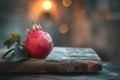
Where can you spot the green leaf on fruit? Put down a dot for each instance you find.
(14, 37)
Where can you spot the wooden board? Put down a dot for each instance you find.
(60, 60)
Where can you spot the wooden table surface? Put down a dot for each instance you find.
(60, 60)
(110, 71)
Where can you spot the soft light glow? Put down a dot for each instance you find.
(67, 3)
(47, 4)
(36, 9)
(63, 28)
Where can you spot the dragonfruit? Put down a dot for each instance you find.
(38, 43)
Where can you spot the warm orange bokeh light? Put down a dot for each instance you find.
(67, 3)
(47, 4)
(38, 7)
(63, 29)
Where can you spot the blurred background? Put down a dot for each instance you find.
(71, 23)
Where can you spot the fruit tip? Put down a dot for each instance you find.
(27, 31)
(38, 26)
(33, 27)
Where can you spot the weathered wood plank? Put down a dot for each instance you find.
(60, 60)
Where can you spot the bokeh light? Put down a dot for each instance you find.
(67, 3)
(38, 7)
(47, 4)
(63, 28)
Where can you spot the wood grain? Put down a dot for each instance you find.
(60, 60)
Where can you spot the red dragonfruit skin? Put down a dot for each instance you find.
(38, 43)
